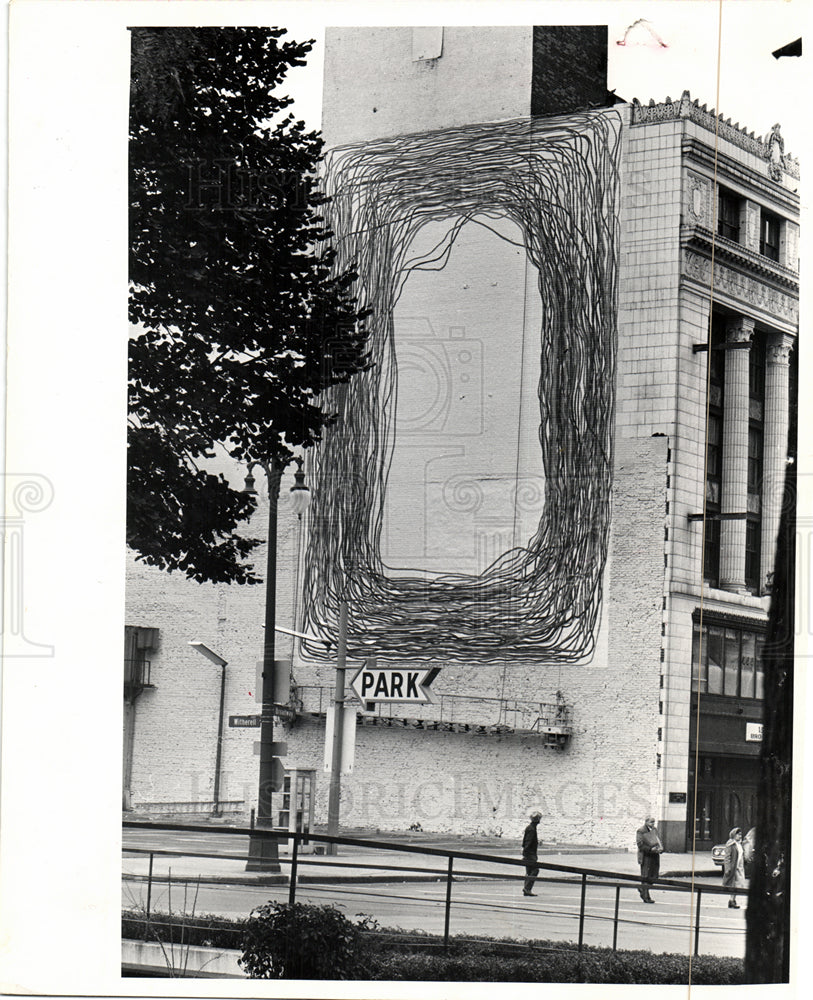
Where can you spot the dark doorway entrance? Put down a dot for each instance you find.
(726, 797)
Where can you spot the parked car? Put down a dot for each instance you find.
(748, 845)
(718, 854)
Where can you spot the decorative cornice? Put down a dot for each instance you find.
(775, 305)
(703, 240)
(731, 171)
(671, 110)
(715, 617)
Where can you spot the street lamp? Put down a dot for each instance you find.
(219, 662)
(263, 852)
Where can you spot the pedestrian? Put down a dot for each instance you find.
(749, 847)
(530, 846)
(734, 866)
(650, 849)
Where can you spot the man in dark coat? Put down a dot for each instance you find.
(649, 856)
(530, 845)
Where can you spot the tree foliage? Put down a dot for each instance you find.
(239, 319)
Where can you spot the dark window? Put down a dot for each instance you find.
(728, 215)
(753, 543)
(755, 461)
(756, 369)
(753, 532)
(711, 553)
(769, 230)
(714, 450)
(727, 661)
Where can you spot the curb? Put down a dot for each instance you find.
(275, 880)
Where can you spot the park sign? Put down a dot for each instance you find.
(395, 685)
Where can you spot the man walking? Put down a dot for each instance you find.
(649, 856)
(530, 845)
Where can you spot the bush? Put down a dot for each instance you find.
(300, 941)
(319, 942)
(466, 964)
(205, 930)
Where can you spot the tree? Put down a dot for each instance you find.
(768, 927)
(239, 319)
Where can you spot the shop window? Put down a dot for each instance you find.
(727, 660)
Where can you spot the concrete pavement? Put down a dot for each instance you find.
(354, 864)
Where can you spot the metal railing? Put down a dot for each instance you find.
(562, 873)
(136, 676)
(477, 714)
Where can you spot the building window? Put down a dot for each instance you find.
(769, 230)
(753, 545)
(714, 451)
(727, 661)
(756, 410)
(728, 215)
(754, 462)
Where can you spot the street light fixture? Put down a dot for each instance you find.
(263, 851)
(219, 662)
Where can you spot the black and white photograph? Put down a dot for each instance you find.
(414, 433)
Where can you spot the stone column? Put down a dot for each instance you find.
(789, 245)
(775, 444)
(735, 455)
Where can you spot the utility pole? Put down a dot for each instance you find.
(263, 853)
(334, 795)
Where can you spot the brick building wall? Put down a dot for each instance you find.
(175, 737)
(569, 68)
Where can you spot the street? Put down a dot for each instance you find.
(488, 907)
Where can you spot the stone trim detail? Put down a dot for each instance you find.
(748, 290)
(685, 107)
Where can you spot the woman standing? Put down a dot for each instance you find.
(733, 866)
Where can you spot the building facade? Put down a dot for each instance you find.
(559, 484)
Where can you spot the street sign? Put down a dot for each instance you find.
(277, 749)
(395, 685)
(245, 721)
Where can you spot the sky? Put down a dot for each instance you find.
(756, 90)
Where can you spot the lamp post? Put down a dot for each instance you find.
(263, 851)
(220, 662)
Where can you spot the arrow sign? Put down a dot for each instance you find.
(403, 685)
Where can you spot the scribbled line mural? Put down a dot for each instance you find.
(557, 180)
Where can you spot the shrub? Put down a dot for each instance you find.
(301, 941)
(554, 966)
(204, 929)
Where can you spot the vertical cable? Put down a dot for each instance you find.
(715, 203)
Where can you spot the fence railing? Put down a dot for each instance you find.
(295, 860)
(474, 713)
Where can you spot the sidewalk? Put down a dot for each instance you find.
(355, 864)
